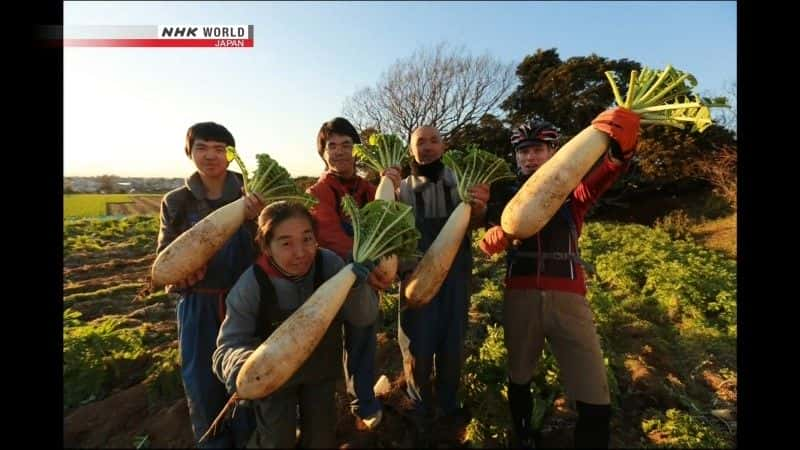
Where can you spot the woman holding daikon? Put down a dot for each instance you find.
(290, 268)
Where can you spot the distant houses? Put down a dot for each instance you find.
(111, 184)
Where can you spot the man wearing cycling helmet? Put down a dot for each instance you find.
(545, 286)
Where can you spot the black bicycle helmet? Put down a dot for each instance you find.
(533, 131)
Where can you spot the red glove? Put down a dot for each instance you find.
(623, 126)
(494, 241)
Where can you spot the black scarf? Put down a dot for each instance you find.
(522, 178)
(432, 171)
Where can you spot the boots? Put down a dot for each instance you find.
(592, 429)
(520, 400)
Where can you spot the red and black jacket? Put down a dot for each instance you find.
(550, 259)
(334, 230)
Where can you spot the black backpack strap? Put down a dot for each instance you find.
(268, 297)
(364, 194)
(448, 199)
(361, 197)
(420, 203)
(419, 209)
(319, 277)
(337, 200)
(567, 214)
(573, 231)
(186, 205)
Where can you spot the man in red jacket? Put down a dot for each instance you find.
(334, 231)
(545, 285)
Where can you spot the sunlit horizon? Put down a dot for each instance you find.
(126, 110)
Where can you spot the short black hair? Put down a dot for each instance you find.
(337, 125)
(207, 131)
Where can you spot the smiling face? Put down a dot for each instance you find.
(210, 157)
(293, 245)
(338, 155)
(426, 145)
(533, 156)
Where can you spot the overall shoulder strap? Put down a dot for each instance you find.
(268, 301)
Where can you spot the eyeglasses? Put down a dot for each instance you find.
(344, 146)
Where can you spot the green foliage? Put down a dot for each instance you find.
(677, 295)
(388, 302)
(273, 183)
(475, 166)
(568, 93)
(94, 235)
(489, 133)
(691, 283)
(164, 375)
(665, 97)
(485, 386)
(90, 205)
(382, 152)
(484, 383)
(94, 353)
(490, 297)
(677, 224)
(679, 429)
(381, 228)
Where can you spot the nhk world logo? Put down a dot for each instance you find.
(223, 36)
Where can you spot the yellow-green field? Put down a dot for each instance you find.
(94, 205)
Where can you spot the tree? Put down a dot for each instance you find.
(440, 87)
(108, 183)
(489, 133)
(567, 93)
(719, 165)
(668, 154)
(571, 93)
(719, 169)
(726, 117)
(366, 133)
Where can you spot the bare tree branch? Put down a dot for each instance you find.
(440, 86)
(719, 169)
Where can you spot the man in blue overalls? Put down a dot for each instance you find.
(437, 328)
(201, 307)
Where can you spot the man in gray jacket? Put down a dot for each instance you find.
(437, 328)
(201, 307)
